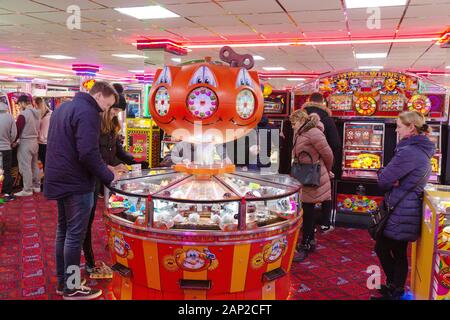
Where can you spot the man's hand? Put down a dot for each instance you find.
(118, 171)
(396, 183)
(331, 175)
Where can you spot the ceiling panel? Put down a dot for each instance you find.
(296, 5)
(428, 11)
(64, 4)
(127, 3)
(278, 28)
(266, 18)
(217, 20)
(314, 16)
(23, 6)
(196, 9)
(385, 13)
(251, 6)
(323, 26)
(18, 19)
(233, 30)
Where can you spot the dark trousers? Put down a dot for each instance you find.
(87, 244)
(393, 257)
(73, 219)
(41, 154)
(7, 165)
(308, 222)
(325, 217)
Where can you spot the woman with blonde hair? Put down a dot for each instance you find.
(310, 144)
(403, 180)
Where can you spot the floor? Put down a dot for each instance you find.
(337, 270)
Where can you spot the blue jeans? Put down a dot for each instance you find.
(73, 218)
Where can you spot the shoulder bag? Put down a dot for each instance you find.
(380, 217)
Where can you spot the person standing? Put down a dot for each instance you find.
(27, 152)
(113, 154)
(317, 104)
(8, 132)
(310, 145)
(73, 161)
(46, 113)
(403, 179)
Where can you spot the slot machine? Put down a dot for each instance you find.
(365, 106)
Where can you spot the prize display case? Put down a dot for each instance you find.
(180, 236)
(430, 254)
(143, 140)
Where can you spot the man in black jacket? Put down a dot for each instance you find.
(316, 104)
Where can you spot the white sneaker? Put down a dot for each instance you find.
(36, 190)
(83, 293)
(23, 194)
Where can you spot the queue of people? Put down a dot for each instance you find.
(403, 181)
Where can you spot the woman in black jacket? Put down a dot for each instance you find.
(114, 155)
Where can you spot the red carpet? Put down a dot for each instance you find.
(337, 270)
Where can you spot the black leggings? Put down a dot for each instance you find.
(393, 257)
(309, 219)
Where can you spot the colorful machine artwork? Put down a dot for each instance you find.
(358, 204)
(379, 94)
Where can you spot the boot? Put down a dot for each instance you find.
(312, 245)
(389, 292)
(301, 254)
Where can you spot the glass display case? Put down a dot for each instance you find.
(363, 150)
(165, 199)
(430, 277)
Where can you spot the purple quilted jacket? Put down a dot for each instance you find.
(409, 164)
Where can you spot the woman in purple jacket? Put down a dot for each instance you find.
(411, 162)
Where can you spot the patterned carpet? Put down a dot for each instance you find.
(337, 270)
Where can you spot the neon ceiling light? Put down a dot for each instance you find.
(310, 43)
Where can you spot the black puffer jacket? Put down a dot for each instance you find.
(331, 132)
(112, 150)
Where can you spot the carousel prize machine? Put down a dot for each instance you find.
(203, 230)
(430, 254)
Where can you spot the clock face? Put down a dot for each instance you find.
(202, 102)
(245, 104)
(162, 101)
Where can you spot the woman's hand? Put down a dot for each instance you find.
(396, 183)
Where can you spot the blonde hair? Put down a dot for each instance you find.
(309, 120)
(109, 124)
(417, 119)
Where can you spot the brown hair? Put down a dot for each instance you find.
(316, 97)
(417, 119)
(109, 125)
(38, 101)
(105, 88)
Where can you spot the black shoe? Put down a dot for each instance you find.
(60, 287)
(9, 197)
(300, 256)
(312, 246)
(83, 293)
(384, 289)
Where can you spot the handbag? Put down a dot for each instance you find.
(380, 217)
(308, 174)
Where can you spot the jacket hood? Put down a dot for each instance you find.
(35, 112)
(420, 141)
(318, 108)
(4, 107)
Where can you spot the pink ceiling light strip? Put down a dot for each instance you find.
(311, 43)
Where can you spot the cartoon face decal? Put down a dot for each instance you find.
(162, 101)
(245, 104)
(193, 98)
(275, 250)
(203, 75)
(202, 102)
(191, 260)
(120, 246)
(165, 76)
(244, 79)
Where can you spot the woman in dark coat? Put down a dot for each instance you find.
(409, 166)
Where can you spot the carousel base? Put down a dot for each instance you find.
(124, 289)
